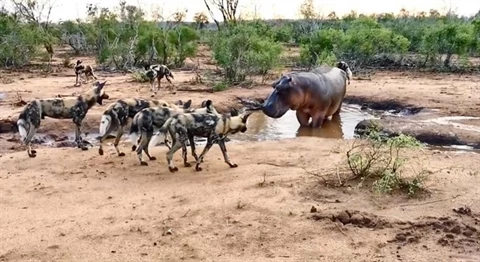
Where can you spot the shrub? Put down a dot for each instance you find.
(241, 51)
(321, 46)
(383, 160)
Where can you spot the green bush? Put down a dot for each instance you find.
(449, 39)
(363, 43)
(321, 45)
(20, 42)
(241, 51)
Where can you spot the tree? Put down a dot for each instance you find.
(307, 10)
(38, 13)
(201, 19)
(228, 9)
(179, 16)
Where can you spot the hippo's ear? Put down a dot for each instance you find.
(274, 84)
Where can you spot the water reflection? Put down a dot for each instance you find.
(261, 127)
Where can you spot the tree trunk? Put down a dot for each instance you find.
(446, 63)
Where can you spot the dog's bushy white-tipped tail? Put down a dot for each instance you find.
(156, 138)
(133, 138)
(161, 134)
(23, 128)
(105, 124)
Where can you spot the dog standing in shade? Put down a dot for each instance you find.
(83, 69)
(74, 108)
(157, 72)
(212, 126)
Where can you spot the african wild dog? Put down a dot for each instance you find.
(212, 126)
(208, 107)
(157, 72)
(117, 114)
(83, 69)
(75, 108)
(146, 121)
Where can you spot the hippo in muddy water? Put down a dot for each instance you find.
(317, 94)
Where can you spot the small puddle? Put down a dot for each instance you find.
(67, 140)
(3, 96)
(456, 148)
(454, 121)
(261, 127)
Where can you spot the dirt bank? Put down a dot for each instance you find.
(111, 209)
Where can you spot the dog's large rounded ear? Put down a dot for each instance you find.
(233, 112)
(245, 116)
(206, 103)
(187, 104)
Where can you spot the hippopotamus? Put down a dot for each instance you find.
(317, 94)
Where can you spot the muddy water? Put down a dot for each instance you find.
(456, 122)
(67, 140)
(261, 127)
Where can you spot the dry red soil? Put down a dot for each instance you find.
(72, 205)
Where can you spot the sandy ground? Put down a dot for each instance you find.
(72, 205)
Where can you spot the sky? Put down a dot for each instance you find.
(265, 9)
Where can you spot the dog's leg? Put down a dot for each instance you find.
(139, 149)
(152, 82)
(78, 135)
(148, 137)
(117, 140)
(192, 146)
(100, 149)
(221, 143)
(93, 75)
(202, 155)
(184, 155)
(31, 152)
(176, 145)
(166, 142)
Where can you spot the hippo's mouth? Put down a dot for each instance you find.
(273, 107)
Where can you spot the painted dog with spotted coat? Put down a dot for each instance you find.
(149, 119)
(74, 108)
(157, 72)
(80, 69)
(116, 116)
(215, 127)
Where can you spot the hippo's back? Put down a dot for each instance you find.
(326, 81)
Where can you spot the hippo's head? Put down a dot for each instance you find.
(344, 66)
(286, 95)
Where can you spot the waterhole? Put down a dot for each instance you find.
(261, 127)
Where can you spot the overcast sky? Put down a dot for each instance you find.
(68, 9)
